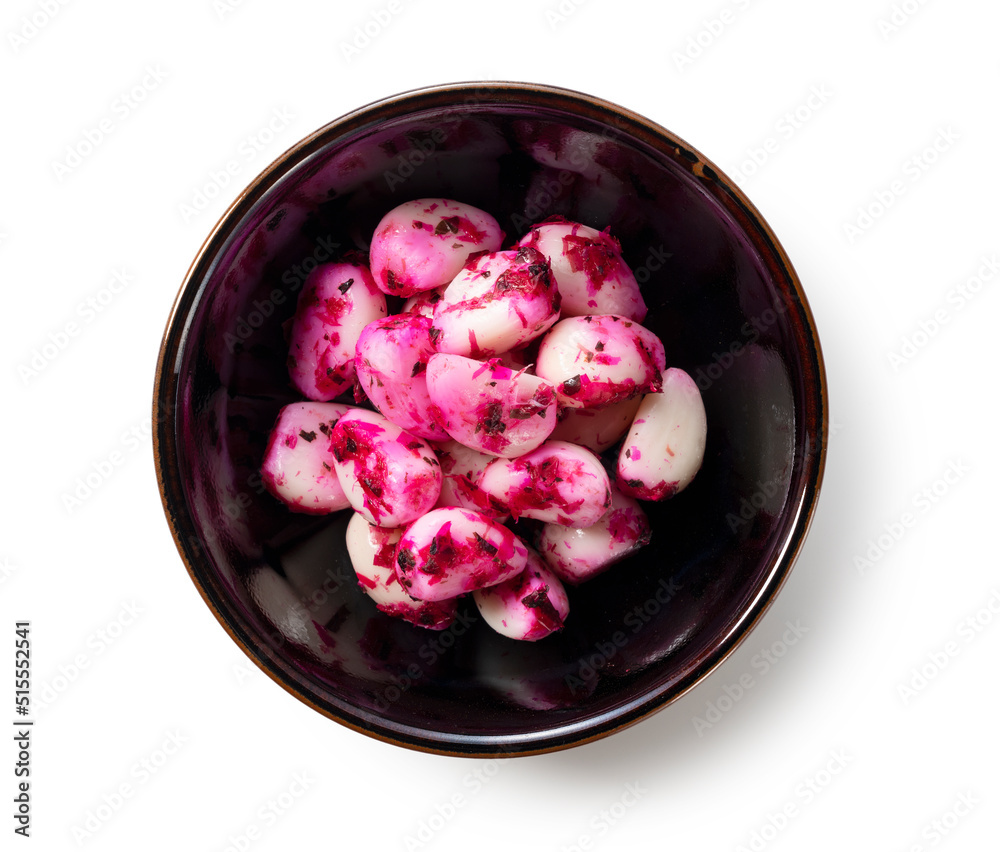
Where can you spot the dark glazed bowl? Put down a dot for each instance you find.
(722, 296)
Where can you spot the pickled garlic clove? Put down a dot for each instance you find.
(337, 301)
(588, 269)
(462, 469)
(422, 244)
(597, 429)
(451, 551)
(578, 554)
(529, 607)
(391, 363)
(488, 406)
(373, 552)
(597, 360)
(298, 463)
(424, 302)
(389, 475)
(665, 444)
(559, 483)
(499, 301)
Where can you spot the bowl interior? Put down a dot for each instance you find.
(721, 296)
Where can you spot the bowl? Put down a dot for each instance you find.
(722, 296)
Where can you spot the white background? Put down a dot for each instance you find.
(823, 750)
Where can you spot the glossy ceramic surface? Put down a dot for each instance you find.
(722, 296)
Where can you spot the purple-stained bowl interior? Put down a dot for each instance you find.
(722, 297)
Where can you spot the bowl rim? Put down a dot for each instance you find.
(635, 125)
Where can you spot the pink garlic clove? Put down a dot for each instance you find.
(489, 407)
(529, 607)
(578, 554)
(596, 360)
(337, 301)
(298, 463)
(597, 429)
(462, 468)
(497, 302)
(389, 475)
(422, 244)
(665, 445)
(423, 303)
(373, 554)
(559, 483)
(451, 551)
(391, 363)
(588, 269)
